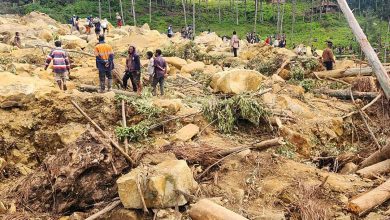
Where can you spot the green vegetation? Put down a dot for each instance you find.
(227, 112)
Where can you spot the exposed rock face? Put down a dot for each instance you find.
(236, 81)
(159, 184)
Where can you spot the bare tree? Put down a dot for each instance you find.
(387, 43)
(150, 11)
(133, 9)
(311, 21)
(219, 10)
(236, 5)
(100, 10)
(254, 28)
(278, 22)
(281, 20)
(245, 10)
(261, 11)
(109, 8)
(294, 7)
(193, 19)
(184, 11)
(121, 6)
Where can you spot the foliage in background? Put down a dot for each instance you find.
(227, 112)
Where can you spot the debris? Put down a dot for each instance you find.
(89, 88)
(349, 168)
(105, 210)
(378, 156)
(158, 184)
(345, 94)
(208, 210)
(375, 170)
(124, 214)
(186, 132)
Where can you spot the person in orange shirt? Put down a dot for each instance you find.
(328, 57)
(105, 63)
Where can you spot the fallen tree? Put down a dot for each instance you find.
(375, 170)
(377, 156)
(89, 88)
(370, 200)
(350, 72)
(346, 94)
(208, 210)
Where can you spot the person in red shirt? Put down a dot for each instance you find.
(328, 57)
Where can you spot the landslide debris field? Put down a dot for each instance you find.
(267, 135)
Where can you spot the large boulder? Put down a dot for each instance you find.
(46, 35)
(5, 48)
(209, 39)
(172, 105)
(16, 91)
(186, 132)
(176, 62)
(159, 185)
(236, 81)
(73, 42)
(193, 67)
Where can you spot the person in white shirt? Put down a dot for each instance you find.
(149, 55)
(276, 42)
(104, 25)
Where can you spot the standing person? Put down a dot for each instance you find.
(170, 31)
(235, 43)
(328, 57)
(133, 71)
(283, 42)
(61, 65)
(104, 63)
(98, 26)
(77, 23)
(119, 22)
(149, 56)
(160, 72)
(88, 25)
(268, 40)
(17, 41)
(276, 42)
(104, 26)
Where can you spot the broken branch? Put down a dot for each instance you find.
(105, 210)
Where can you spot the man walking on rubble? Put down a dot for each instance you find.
(133, 71)
(105, 63)
(160, 72)
(61, 65)
(235, 43)
(328, 57)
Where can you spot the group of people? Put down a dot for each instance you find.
(101, 26)
(277, 41)
(187, 32)
(157, 67)
(252, 37)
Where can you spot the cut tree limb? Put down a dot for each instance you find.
(345, 94)
(264, 145)
(116, 145)
(377, 169)
(377, 156)
(379, 69)
(89, 88)
(365, 107)
(370, 200)
(124, 124)
(208, 210)
(349, 72)
(104, 211)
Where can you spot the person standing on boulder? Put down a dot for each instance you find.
(160, 72)
(119, 22)
(105, 63)
(133, 71)
(235, 43)
(328, 57)
(61, 65)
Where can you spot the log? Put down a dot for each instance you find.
(350, 72)
(377, 156)
(208, 210)
(379, 69)
(89, 88)
(116, 145)
(264, 145)
(373, 171)
(346, 94)
(365, 107)
(370, 200)
(124, 124)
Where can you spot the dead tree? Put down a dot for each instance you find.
(133, 7)
(121, 6)
(254, 28)
(372, 58)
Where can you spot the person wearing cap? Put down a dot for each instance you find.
(104, 63)
(328, 57)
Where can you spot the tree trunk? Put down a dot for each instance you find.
(341, 73)
(246, 19)
(377, 156)
(261, 11)
(100, 10)
(373, 59)
(236, 5)
(184, 12)
(346, 94)
(373, 171)
(311, 22)
(387, 43)
(370, 200)
(278, 22)
(193, 18)
(208, 210)
(123, 18)
(254, 28)
(281, 20)
(219, 10)
(321, 10)
(133, 9)
(109, 8)
(150, 12)
(294, 7)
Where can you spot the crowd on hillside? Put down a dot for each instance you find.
(100, 26)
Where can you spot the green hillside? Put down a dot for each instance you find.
(324, 27)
